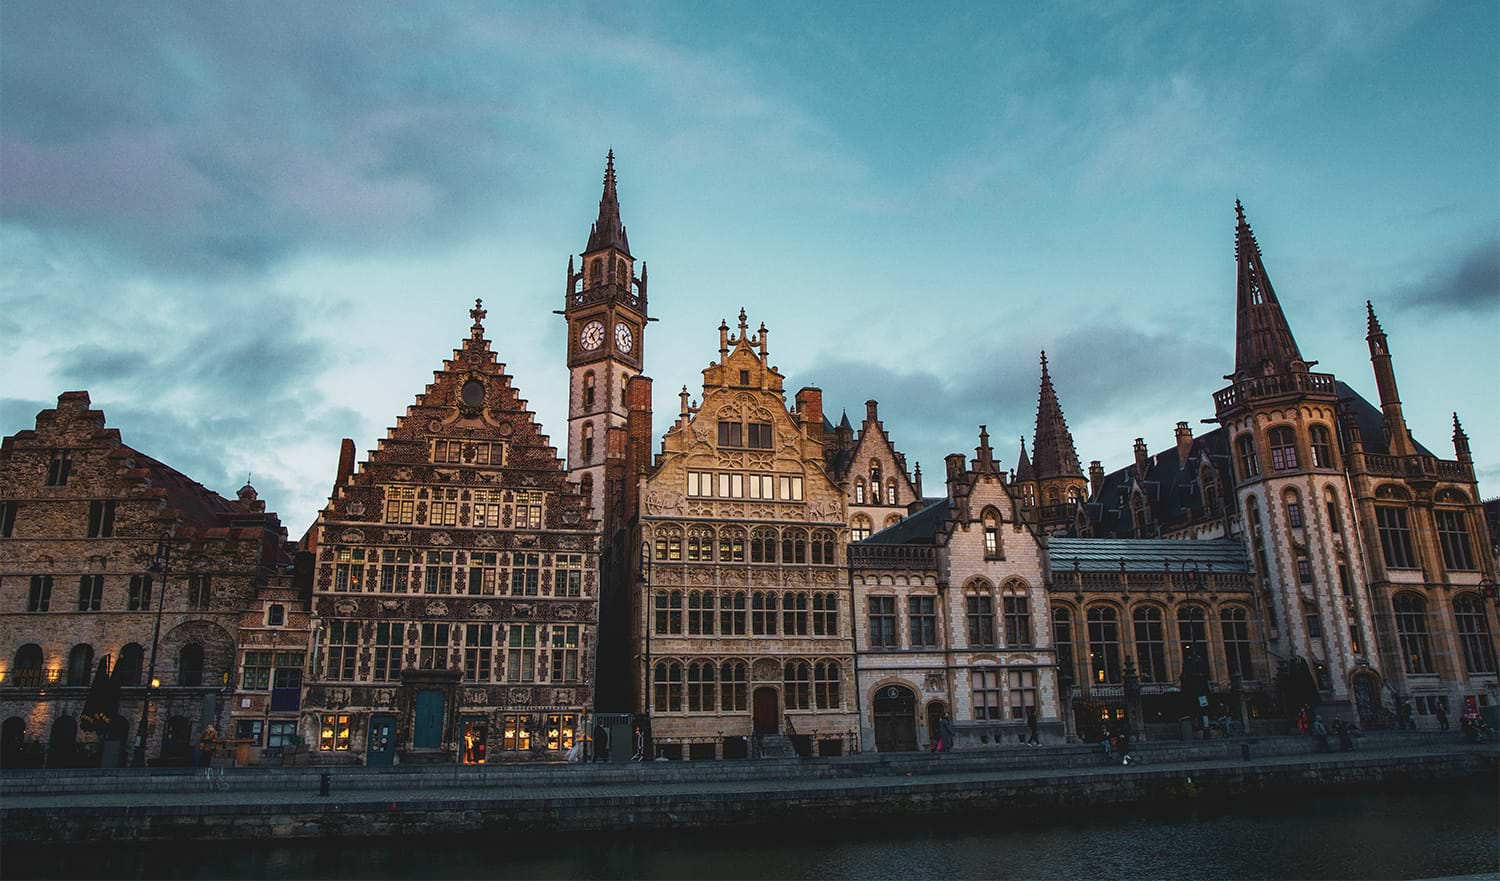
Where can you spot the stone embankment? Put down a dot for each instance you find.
(80, 806)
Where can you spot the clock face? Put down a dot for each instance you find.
(624, 339)
(592, 335)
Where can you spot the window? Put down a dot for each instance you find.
(1062, 640)
(794, 546)
(279, 734)
(1395, 537)
(875, 491)
(669, 545)
(488, 505)
(479, 645)
(586, 443)
(732, 486)
(58, 468)
(349, 570)
(890, 486)
(80, 664)
(1411, 629)
(1249, 466)
(40, 597)
(276, 615)
(1293, 510)
(249, 729)
(400, 504)
(989, 698)
(8, 519)
(90, 592)
(859, 491)
(333, 734)
(1474, 634)
(255, 672)
(567, 577)
(796, 685)
(1453, 533)
(1304, 571)
(287, 675)
(991, 535)
(432, 648)
(700, 483)
(731, 434)
(1017, 617)
(700, 545)
(516, 732)
(827, 677)
(525, 574)
(190, 665)
(762, 486)
(1322, 446)
(390, 648)
(763, 543)
(822, 548)
(760, 435)
(128, 668)
(1283, 449)
(734, 686)
(980, 608)
(700, 686)
(395, 571)
(794, 615)
(1234, 622)
(668, 697)
(791, 488)
(1150, 643)
(763, 613)
(26, 667)
(700, 613)
(732, 614)
(343, 648)
(744, 377)
(528, 510)
(859, 527)
(825, 614)
(102, 519)
(1022, 692)
(566, 652)
(588, 391)
(921, 621)
(883, 622)
(1104, 645)
(669, 612)
(1331, 505)
(200, 591)
(1314, 626)
(1192, 633)
(520, 653)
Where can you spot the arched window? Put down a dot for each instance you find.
(763, 545)
(26, 668)
(596, 271)
(859, 491)
(1292, 501)
(1331, 506)
(731, 544)
(1474, 634)
(1391, 521)
(797, 685)
(1028, 495)
(669, 544)
(891, 520)
(668, 697)
(1283, 448)
(827, 677)
(200, 591)
(1075, 497)
(859, 527)
(794, 546)
(1245, 447)
(80, 664)
(1322, 447)
(734, 685)
(993, 549)
(1062, 641)
(890, 491)
(877, 495)
(763, 613)
(669, 612)
(128, 668)
(732, 613)
(979, 609)
(822, 547)
(622, 273)
(1234, 623)
(1411, 629)
(1192, 635)
(588, 391)
(700, 687)
(700, 613)
(1150, 643)
(825, 615)
(794, 614)
(1017, 608)
(586, 448)
(1104, 645)
(190, 665)
(700, 544)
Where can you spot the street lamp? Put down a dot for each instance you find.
(161, 563)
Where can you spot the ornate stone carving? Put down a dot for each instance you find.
(481, 610)
(567, 613)
(441, 539)
(357, 508)
(766, 670)
(352, 536)
(346, 607)
(475, 696)
(383, 697)
(390, 605)
(484, 540)
(661, 501)
(519, 696)
(933, 682)
(437, 609)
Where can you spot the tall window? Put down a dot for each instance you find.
(400, 504)
(1411, 629)
(1453, 533)
(190, 665)
(668, 697)
(102, 519)
(669, 612)
(390, 645)
(1293, 502)
(1192, 633)
(139, 597)
(1104, 645)
(859, 491)
(80, 664)
(90, 592)
(349, 570)
(26, 667)
(479, 650)
(1331, 506)
(825, 614)
(39, 599)
(1150, 644)
(200, 591)
(731, 545)
(700, 484)
(343, 648)
(1322, 446)
(432, 647)
(827, 678)
(877, 494)
(921, 621)
(586, 443)
(822, 547)
(520, 653)
(988, 693)
(763, 613)
(859, 527)
(734, 685)
(732, 614)
(1017, 616)
(1395, 537)
(669, 545)
(255, 675)
(759, 435)
(588, 391)
(700, 612)
(567, 652)
(762, 486)
(791, 488)
(1062, 640)
(794, 546)
(525, 573)
(700, 686)
(763, 543)
(980, 611)
(1234, 623)
(890, 491)
(7, 519)
(1474, 634)
(883, 622)
(1245, 447)
(567, 576)
(796, 685)
(700, 545)
(991, 535)
(794, 614)
(731, 434)
(59, 467)
(333, 734)
(1283, 449)
(1022, 692)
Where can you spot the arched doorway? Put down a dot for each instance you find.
(895, 719)
(935, 711)
(63, 742)
(767, 711)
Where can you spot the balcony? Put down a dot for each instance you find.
(863, 556)
(1279, 385)
(1417, 467)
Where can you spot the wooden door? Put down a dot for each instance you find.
(895, 720)
(767, 711)
(429, 721)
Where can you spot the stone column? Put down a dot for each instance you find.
(1133, 724)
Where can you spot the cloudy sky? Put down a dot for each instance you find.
(250, 230)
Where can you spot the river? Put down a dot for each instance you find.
(1426, 832)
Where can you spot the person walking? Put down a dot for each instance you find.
(1304, 719)
(1031, 726)
(1408, 716)
(1442, 713)
(206, 747)
(1320, 731)
(945, 734)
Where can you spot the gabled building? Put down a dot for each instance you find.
(872, 473)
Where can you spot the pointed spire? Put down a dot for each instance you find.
(984, 456)
(1460, 442)
(608, 231)
(476, 330)
(844, 422)
(1372, 323)
(1023, 464)
(1262, 336)
(1052, 445)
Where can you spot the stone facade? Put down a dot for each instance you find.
(1050, 483)
(878, 491)
(454, 602)
(82, 515)
(275, 634)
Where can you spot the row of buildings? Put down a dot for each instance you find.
(758, 580)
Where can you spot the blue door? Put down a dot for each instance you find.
(429, 723)
(382, 748)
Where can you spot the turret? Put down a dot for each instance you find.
(1184, 443)
(1385, 382)
(1096, 478)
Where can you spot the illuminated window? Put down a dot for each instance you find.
(333, 735)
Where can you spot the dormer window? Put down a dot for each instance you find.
(276, 615)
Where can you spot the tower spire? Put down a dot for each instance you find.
(1023, 463)
(1385, 382)
(1052, 450)
(608, 231)
(1263, 340)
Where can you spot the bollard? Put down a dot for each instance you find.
(1245, 751)
(324, 782)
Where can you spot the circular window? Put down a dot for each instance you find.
(473, 393)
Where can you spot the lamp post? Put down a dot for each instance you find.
(161, 563)
(650, 610)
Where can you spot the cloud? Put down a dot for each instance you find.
(1469, 282)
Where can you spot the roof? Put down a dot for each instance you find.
(1370, 420)
(1145, 555)
(920, 528)
(1173, 489)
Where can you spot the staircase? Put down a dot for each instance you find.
(774, 746)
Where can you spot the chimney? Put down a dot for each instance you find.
(346, 463)
(1184, 443)
(810, 411)
(870, 414)
(1140, 457)
(916, 485)
(723, 341)
(955, 462)
(761, 339)
(1096, 478)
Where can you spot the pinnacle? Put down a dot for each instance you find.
(1371, 320)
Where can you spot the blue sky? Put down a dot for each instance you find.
(250, 230)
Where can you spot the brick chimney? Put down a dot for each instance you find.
(870, 411)
(637, 443)
(1184, 443)
(1140, 457)
(1096, 478)
(810, 411)
(346, 463)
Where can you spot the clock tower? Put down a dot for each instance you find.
(606, 314)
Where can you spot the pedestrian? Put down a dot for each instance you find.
(640, 745)
(1031, 726)
(1320, 731)
(1408, 716)
(1122, 747)
(1304, 719)
(1105, 741)
(1346, 740)
(1442, 713)
(946, 734)
(206, 746)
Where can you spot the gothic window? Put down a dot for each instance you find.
(763, 613)
(1474, 634)
(1104, 645)
(200, 591)
(731, 434)
(1022, 692)
(26, 667)
(1322, 446)
(1411, 628)
(1150, 643)
(90, 592)
(700, 687)
(1062, 640)
(1331, 505)
(732, 614)
(1028, 495)
(1453, 534)
(59, 467)
(596, 271)
(794, 546)
(586, 449)
(1293, 502)
(190, 665)
(763, 543)
(988, 693)
(128, 668)
(827, 677)
(859, 527)
(1395, 536)
(890, 491)
(734, 686)
(700, 545)
(992, 547)
(668, 696)
(588, 391)
(1075, 497)
(796, 685)
(1234, 623)
(80, 664)
(1283, 449)
(1017, 609)
(669, 612)
(101, 519)
(479, 645)
(1304, 571)
(891, 520)
(669, 544)
(39, 599)
(822, 547)
(731, 545)
(979, 610)
(825, 614)
(586, 488)
(1192, 635)
(520, 653)
(794, 614)
(859, 491)
(883, 622)
(875, 490)
(390, 646)
(700, 613)
(1249, 465)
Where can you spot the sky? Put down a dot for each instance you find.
(251, 230)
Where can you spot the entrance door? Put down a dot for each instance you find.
(766, 711)
(895, 720)
(382, 747)
(429, 721)
(177, 746)
(935, 711)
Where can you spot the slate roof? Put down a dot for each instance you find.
(1370, 420)
(1144, 555)
(920, 528)
(1174, 492)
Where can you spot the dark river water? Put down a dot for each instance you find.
(1427, 832)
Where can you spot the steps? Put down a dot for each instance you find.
(775, 746)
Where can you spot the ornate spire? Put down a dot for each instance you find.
(476, 330)
(1263, 340)
(1052, 445)
(1023, 464)
(1460, 441)
(984, 456)
(1372, 323)
(608, 231)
